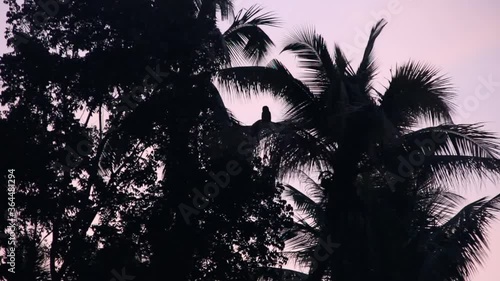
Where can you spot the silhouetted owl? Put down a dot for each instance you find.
(266, 114)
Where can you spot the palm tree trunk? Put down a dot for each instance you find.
(343, 207)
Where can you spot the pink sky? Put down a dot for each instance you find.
(459, 36)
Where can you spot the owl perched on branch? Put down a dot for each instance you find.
(266, 114)
(264, 119)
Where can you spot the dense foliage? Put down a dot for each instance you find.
(115, 130)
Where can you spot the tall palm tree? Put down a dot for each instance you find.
(339, 122)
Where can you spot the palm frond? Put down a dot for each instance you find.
(314, 58)
(367, 67)
(439, 205)
(449, 170)
(313, 189)
(304, 235)
(225, 7)
(459, 246)
(342, 64)
(417, 91)
(460, 140)
(273, 79)
(288, 148)
(351, 94)
(245, 38)
(311, 209)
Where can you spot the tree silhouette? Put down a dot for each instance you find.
(116, 104)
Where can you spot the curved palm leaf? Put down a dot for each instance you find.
(311, 209)
(314, 58)
(460, 140)
(450, 170)
(274, 79)
(303, 235)
(245, 38)
(439, 205)
(342, 64)
(459, 245)
(287, 148)
(314, 190)
(416, 91)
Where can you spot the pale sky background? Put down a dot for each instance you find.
(460, 37)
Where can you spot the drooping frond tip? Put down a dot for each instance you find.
(255, 16)
(246, 39)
